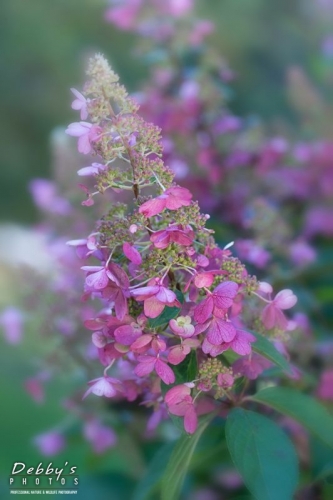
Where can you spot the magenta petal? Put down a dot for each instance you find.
(164, 372)
(126, 334)
(120, 305)
(152, 207)
(224, 294)
(146, 366)
(132, 254)
(220, 331)
(203, 311)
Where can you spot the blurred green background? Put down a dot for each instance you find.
(44, 47)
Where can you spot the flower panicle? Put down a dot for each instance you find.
(169, 291)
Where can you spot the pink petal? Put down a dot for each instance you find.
(153, 307)
(190, 420)
(84, 145)
(203, 280)
(203, 311)
(142, 341)
(78, 129)
(285, 299)
(177, 354)
(145, 292)
(220, 331)
(165, 295)
(241, 344)
(152, 207)
(126, 334)
(146, 366)
(132, 254)
(98, 280)
(176, 394)
(164, 372)
(224, 294)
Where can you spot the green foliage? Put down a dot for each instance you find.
(305, 409)
(151, 482)
(179, 462)
(263, 454)
(265, 348)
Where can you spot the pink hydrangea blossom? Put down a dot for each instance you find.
(240, 342)
(182, 326)
(148, 363)
(180, 403)
(172, 198)
(104, 386)
(155, 298)
(221, 298)
(178, 353)
(87, 134)
(172, 234)
(272, 315)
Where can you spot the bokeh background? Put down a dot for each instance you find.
(44, 48)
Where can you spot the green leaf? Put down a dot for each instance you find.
(263, 454)
(265, 348)
(151, 482)
(321, 460)
(179, 462)
(305, 409)
(168, 313)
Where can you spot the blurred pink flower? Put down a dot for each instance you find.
(99, 436)
(50, 443)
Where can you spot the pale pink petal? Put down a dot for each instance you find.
(98, 280)
(84, 145)
(145, 292)
(165, 295)
(203, 280)
(78, 129)
(153, 307)
(285, 299)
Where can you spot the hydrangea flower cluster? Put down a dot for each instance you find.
(172, 301)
